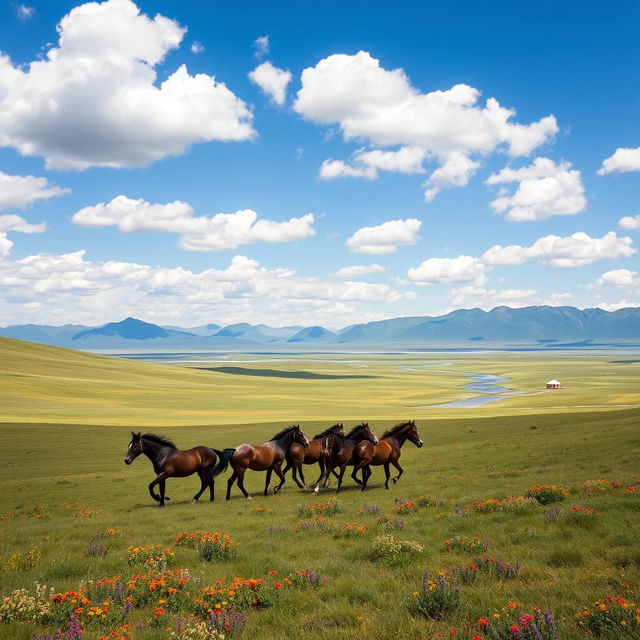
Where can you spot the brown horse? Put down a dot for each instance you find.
(267, 457)
(388, 449)
(299, 455)
(170, 462)
(356, 448)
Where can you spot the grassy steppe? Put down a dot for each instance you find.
(75, 456)
(46, 384)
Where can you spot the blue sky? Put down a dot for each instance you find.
(362, 171)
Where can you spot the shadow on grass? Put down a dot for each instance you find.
(277, 373)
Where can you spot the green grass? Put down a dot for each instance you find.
(65, 428)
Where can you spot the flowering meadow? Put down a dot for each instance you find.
(496, 531)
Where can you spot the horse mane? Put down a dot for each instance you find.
(393, 430)
(353, 432)
(282, 433)
(326, 432)
(161, 440)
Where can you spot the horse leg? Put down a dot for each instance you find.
(304, 483)
(294, 473)
(386, 475)
(364, 466)
(162, 485)
(158, 480)
(230, 482)
(266, 484)
(203, 486)
(353, 474)
(396, 464)
(211, 490)
(241, 484)
(280, 475)
(342, 470)
(366, 474)
(322, 477)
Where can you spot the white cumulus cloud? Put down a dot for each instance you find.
(570, 251)
(623, 160)
(69, 287)
(620, 278)
(366, 164)
(358, 270)
(381, 107)
(17, 192)
(545, 189)
(12, 222)
(630, 222)
(448, 270)
(94, 100)
(272, 80)
(198, 233)
(386, 237)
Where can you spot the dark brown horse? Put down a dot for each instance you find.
(267, 457)
(356, 448)
(387, 451)
(299, 455)
(170, 462)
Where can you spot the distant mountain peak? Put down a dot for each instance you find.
(129, 329)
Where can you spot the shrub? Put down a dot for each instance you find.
(394, 551)
(547, 493)
(370, 509)
(227, 623)
(466, 574)
(331, 507)
(304, 579)
(594, 487)
(20, 605)
(582, 517)
(20, 561)
(196, 630)
(352, 530)
(511, 625)
(427, 500)
(611, 617)
(210, 546)
(151, 555)
(390, 523)
(438, 598)
(461, 543)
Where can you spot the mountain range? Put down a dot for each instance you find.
(535, 326)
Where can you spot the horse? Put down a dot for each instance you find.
(388, 449)
(267, 457)
(299, 455)
(171, 462)
(355, 448)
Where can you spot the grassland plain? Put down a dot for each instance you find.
(65, 426)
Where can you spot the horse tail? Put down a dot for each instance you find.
(223, 460)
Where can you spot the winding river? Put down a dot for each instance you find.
(483, 383)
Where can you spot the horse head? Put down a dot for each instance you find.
(299, 437)
(135, 447)
(413, 434)
(369, 435)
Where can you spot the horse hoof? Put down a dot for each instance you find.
(249, 498)
(395, 480)
(194, 500)
(316, 490)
